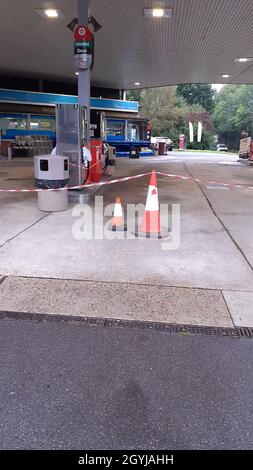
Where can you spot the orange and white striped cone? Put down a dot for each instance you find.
(118, 224)
(151, 225)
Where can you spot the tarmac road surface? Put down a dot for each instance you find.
(66, 385)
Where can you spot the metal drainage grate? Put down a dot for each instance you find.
(47, 317)
(240, 332)
(141, 325)
(245, 332)
(172, 328)
(204, 330)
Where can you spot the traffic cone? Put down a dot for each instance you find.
(151, 225)
(118, 217)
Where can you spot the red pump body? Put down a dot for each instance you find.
(96, 149)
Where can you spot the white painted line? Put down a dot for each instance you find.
(219, 187)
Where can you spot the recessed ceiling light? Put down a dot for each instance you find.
(243, 59)
(157, 12)
(137, 83)
(76, 73)
(51, 13)
(225, 75)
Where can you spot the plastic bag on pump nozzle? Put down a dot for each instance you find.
(86, 156)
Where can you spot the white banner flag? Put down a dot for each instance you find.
(191, 131)
(200, 129)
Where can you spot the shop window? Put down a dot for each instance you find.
(42, 123)
(135, 131)
(115, 129)
(15, 123)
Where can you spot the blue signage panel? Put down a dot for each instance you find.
(31, 97)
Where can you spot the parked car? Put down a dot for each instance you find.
(169, 143)
(222, 148)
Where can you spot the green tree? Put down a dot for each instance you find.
(233, 113)
(167, 111)
(199, 94)
(170, 113)
(157, 101)
(133, 95)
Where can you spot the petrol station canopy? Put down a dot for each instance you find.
(205, 41)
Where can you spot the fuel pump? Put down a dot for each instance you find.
(72, 141)
(181, 142)
(84, 59)
(84, 150)
(71, 138)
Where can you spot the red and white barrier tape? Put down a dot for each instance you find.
(102, 183)
(127, 178)
(197, 180)
(81, 166)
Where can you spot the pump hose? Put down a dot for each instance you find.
(87, 172)
(106, 163)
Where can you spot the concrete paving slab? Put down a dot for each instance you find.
(17, 214)
(234, 208)
(203, 260)
(207, 257)
(17, 211)
(240, 226)
(115, 300)
(240, 305)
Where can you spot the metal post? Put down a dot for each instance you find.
(84, 75)
(0, 143)
(40, 83)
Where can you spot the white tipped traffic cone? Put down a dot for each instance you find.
(118, 217)
(151, 225)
